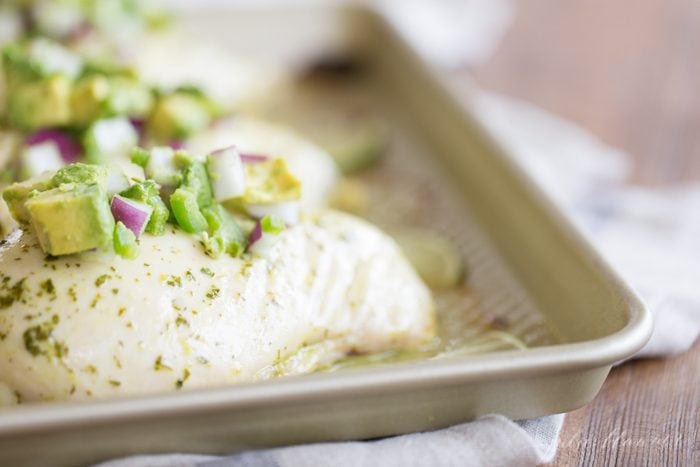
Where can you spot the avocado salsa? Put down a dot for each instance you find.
(99, 164)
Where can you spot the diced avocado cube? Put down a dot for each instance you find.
(16, 194)
(183, 203)
(129, 97)
(124, 242)
(224, 235)
(7, 222)
(88, 99)
(270, 182)
(147, 192)
(37, 104)
(98, 96)
(68, 221)
(177, 117)
(82, 174)
(109, 139)
(356, 149)
(17, 67)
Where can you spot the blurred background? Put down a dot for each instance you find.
(628, 73)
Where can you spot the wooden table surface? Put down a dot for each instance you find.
(630, 73)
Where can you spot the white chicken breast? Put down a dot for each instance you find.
(96, 325)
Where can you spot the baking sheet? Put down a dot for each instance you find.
(527, 266)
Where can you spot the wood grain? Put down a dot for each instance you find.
(627, 71)
(630, 73)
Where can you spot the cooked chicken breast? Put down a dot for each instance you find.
(97, 325)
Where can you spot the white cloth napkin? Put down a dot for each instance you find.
(651, 235)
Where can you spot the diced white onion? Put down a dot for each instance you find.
(161, 166)
(120, 176)
(40, 158)
(114, 137)
(288, 211)
(10, 25)
(54, 58)
(227, 174)
(57, 19)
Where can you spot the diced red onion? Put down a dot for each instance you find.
(227, 174)
(68, 146)
(139, 125)
(81, 31)
(256, 234)
(288, 211)
(222, 150)
(253, 158)
(176, 144)
(247, 158)
(132, 214)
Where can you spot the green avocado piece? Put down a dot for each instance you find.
(148, 192)
(71, 218)
(356, 149)
(79, 173)
(16, 194)
(178, 116)
(38, 104)
(224, 235)
(98, 96)
(88, 99)
(270, 182)
(17, 67)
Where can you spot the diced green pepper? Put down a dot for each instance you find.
(224, 235)
(124, 242)
(195, 178)
(140, 156)
(185, 208)
(272, 224)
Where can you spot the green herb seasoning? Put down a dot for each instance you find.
(213, 292)
(12, 294)
(39, 340)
